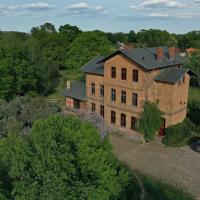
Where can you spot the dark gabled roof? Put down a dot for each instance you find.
(171, 75)
(146, 57)
(94, 66)
(77, 91)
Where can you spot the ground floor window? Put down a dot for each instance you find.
(102, 111)
(133, 123)
(93, 105)
(123, 120)
(113, 117)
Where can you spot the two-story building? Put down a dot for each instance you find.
(117, 86)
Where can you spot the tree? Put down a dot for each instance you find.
(153, 38)
(70, 32)
(85, 47)
(150, 121)
(61, 157)
(19, 114)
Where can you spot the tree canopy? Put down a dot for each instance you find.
(62, 158)
(85, 47)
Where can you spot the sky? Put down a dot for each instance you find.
(175, 16)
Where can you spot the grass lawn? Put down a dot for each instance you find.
(59, 87)
(156, 190)
(194, 94)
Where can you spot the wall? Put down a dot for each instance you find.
(98, 80)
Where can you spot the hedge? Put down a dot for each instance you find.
(174, 134)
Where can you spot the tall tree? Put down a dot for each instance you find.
(85, 47)
(62, 157)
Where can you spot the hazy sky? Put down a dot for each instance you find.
(177, 16)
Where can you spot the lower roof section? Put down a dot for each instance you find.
(76, 91)
(171, 75)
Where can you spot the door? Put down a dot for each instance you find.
(161, 132)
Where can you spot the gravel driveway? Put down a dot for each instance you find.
(177, 166)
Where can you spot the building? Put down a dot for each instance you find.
(117, 86)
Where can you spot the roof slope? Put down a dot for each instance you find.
(94, 66)
(172, 75)
(146, 57)
(77, 91)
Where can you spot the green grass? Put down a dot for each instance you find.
(156, 190)
(194, 94)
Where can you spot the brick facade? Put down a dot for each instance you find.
(171, 98)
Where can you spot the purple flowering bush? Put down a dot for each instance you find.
(95, 119)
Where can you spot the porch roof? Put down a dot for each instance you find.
(76, 91)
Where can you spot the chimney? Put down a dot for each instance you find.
(68, 84)
(172, 53)
(159, 53)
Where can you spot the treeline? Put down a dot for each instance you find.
(30, 62)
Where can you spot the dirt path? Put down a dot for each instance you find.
(177, 166)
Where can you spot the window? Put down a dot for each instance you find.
(123, 120)
(101, 90)
(135, 75)
(102, 111)
(113, 95)
(113, 72)
(123, 97)
(93, 107)
(133, 123)
(93, 88)
(134, 99)
(113, 117)
(123, 73)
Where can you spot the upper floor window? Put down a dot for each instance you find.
(113, 117)
(101, 90)
(113, 72)
(113, 95)
(102, 110)
(134, 99)
(93, 105)
(123, 120)
(123, 97)
(123, 73)
(135, 75)
(93, 88)
(133, 123)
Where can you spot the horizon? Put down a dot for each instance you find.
(174, 16)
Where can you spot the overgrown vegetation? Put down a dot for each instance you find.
(150, 121)
(62, 157)
(177, 134)
(19, 114)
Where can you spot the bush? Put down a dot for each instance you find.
(194, 111)
(150, 121)
(176, 133)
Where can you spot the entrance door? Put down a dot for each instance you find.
(161, 132)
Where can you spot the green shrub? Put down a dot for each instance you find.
(194, 111)
(150, 121)
(174, 134)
